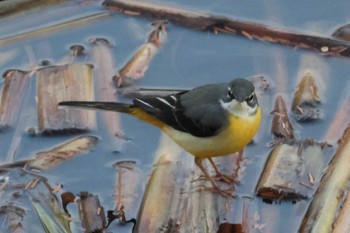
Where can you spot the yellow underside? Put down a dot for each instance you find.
(232, 139)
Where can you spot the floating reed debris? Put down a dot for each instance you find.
(136, 67)
(328, 198)
(67, 150)
(91, 213)
(281, 126)
(49, 221)
(13, 218)
(306, 101)
(156, 206)
(177, 197)
(102, 58)
(221, 24)
(48, 159)
(14, 91)
(127, 189)
(64, 83)
(292, 171)
(49, 209)
(51, 28)
(12, 7)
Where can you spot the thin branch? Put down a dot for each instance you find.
(253, 31)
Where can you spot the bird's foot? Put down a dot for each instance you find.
(229, 179)
(221, 177)
(227, 193)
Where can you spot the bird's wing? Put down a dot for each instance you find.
(197, 112)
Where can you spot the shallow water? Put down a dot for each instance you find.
(189, 58)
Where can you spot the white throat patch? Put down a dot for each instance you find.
(241, 110)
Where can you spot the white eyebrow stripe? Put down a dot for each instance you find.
(164, 101)
(145, 103)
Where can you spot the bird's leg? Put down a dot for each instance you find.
(223, 177)
(198, 162)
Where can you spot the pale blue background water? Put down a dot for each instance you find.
(189, 58)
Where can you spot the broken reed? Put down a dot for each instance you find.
(220, 24)
(51, 158)
(293, 170)
(45, 204)
(102, 57)
(91, 213)
(136, 67)
(14, 91)
(64, 83)
(52, 28)
(48, 159)
(127, 189)
(306, 102)
(328, 197)
(177, 198)
(281, 126)
(13, 216)
(15, 7)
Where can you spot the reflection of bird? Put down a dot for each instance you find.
(207, 121)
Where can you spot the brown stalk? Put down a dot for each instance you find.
(252, 31)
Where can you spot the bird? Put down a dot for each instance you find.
(208, 121)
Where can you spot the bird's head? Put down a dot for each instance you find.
(240, 98)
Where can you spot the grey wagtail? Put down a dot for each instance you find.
(207, 121)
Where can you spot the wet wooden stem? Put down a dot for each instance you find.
(253, 31)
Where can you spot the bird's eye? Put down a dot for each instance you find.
(230, 95)
(250, 98)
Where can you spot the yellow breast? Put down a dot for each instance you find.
(233, 138)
